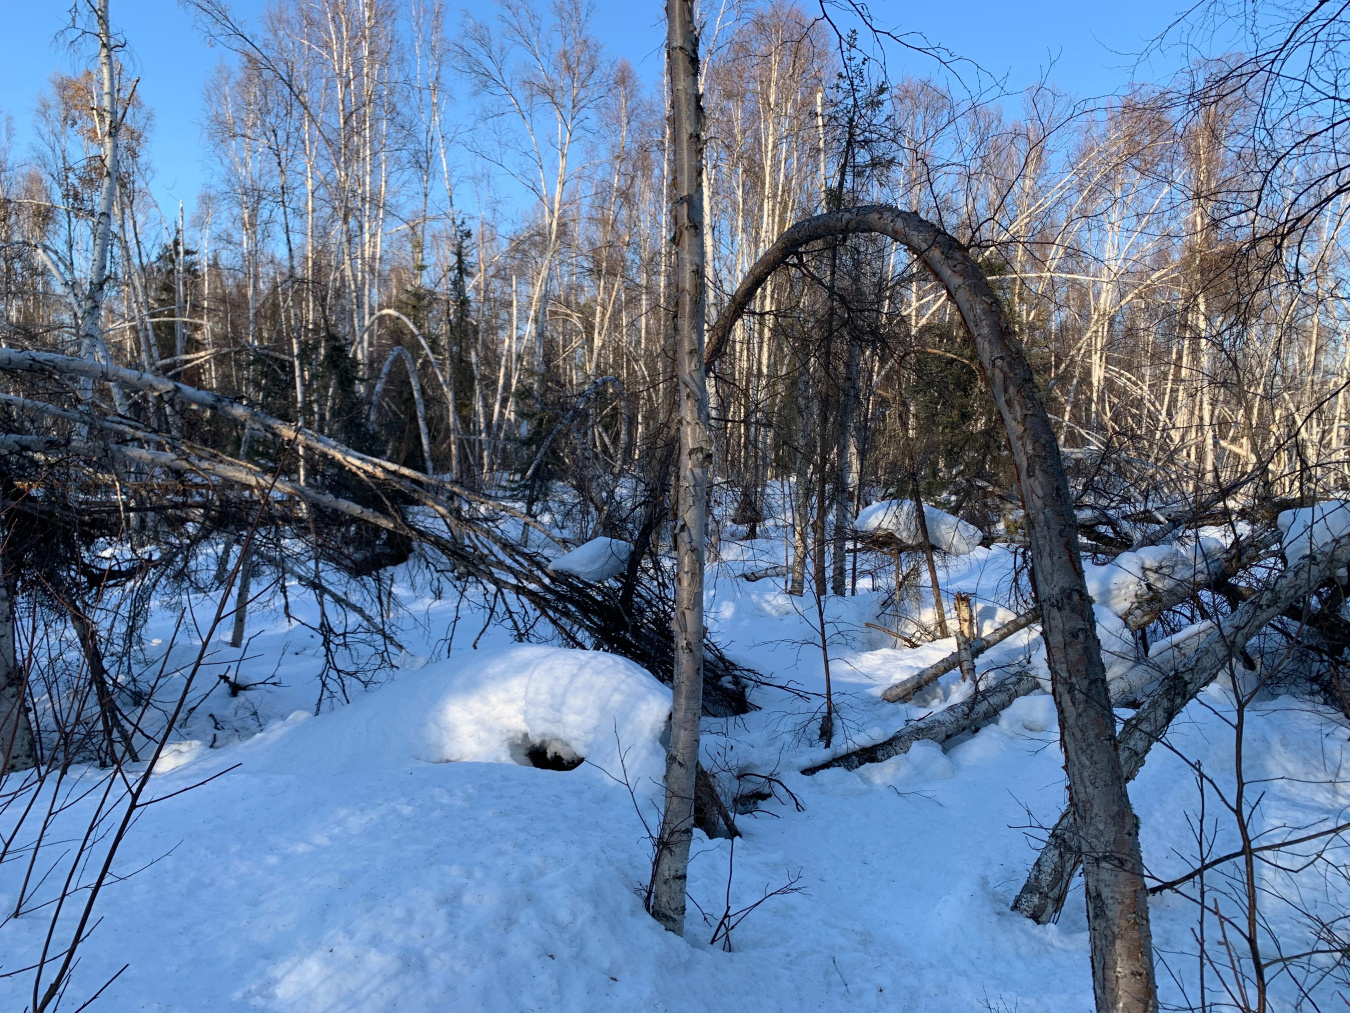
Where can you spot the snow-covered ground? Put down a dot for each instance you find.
(396, 853)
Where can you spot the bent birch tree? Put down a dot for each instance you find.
(1117, 898)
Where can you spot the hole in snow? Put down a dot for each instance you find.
(546, 754)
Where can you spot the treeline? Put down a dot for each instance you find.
(493, 199)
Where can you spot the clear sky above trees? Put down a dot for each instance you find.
(1087, 49)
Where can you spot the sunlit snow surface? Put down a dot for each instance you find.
(392, 854)
(599, 559)
(1309, 528)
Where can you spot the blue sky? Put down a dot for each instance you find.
(1087, 46)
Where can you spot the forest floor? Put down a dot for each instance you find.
(340, 865)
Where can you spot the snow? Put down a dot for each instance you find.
(584, 704)
(1132, 576)
(596, 560)
(395, 853)
(1309, 528)
(945, 531)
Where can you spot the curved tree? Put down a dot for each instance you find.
(398, 352)
(1117, 900)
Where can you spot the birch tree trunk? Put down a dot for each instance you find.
(91, 300)
(686, 120)
(843, 519)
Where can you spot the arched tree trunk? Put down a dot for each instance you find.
(399, 352)
(1117, 900)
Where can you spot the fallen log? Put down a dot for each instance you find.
(1241, 554)
(906, 688)
(940, 726)
(1042, 895)
(1237, 557)
(751, 576)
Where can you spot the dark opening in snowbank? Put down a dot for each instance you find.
(546, 754)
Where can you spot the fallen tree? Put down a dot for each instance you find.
(1042, 895)
(460, 526)
(1241, 554)
(1192, 669)
(940, 726)
(1237, 557)
(906, 688)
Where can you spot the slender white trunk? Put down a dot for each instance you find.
(686, 117)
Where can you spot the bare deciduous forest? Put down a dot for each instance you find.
(853, 476)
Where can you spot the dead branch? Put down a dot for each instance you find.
(319, 587)
(906, 688)
(585, 614)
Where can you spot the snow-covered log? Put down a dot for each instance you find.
(1307, 528)
(1156, 600)
(1143, 611)
(899, 518)
(906, 688)
(1043, 893)
(777, 570)
(596, 560)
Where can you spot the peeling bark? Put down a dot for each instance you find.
(686, 122)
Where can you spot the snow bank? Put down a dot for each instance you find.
(560, 703)
(945, 531)
(1312, 527)
(596, 560)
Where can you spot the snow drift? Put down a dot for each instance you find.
(530, 705)
(896, 516)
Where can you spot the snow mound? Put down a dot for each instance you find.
(1310, 528)
(1112, 586)
(596, 560)
(1131, 576)
(945, 531)
(532, 705)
